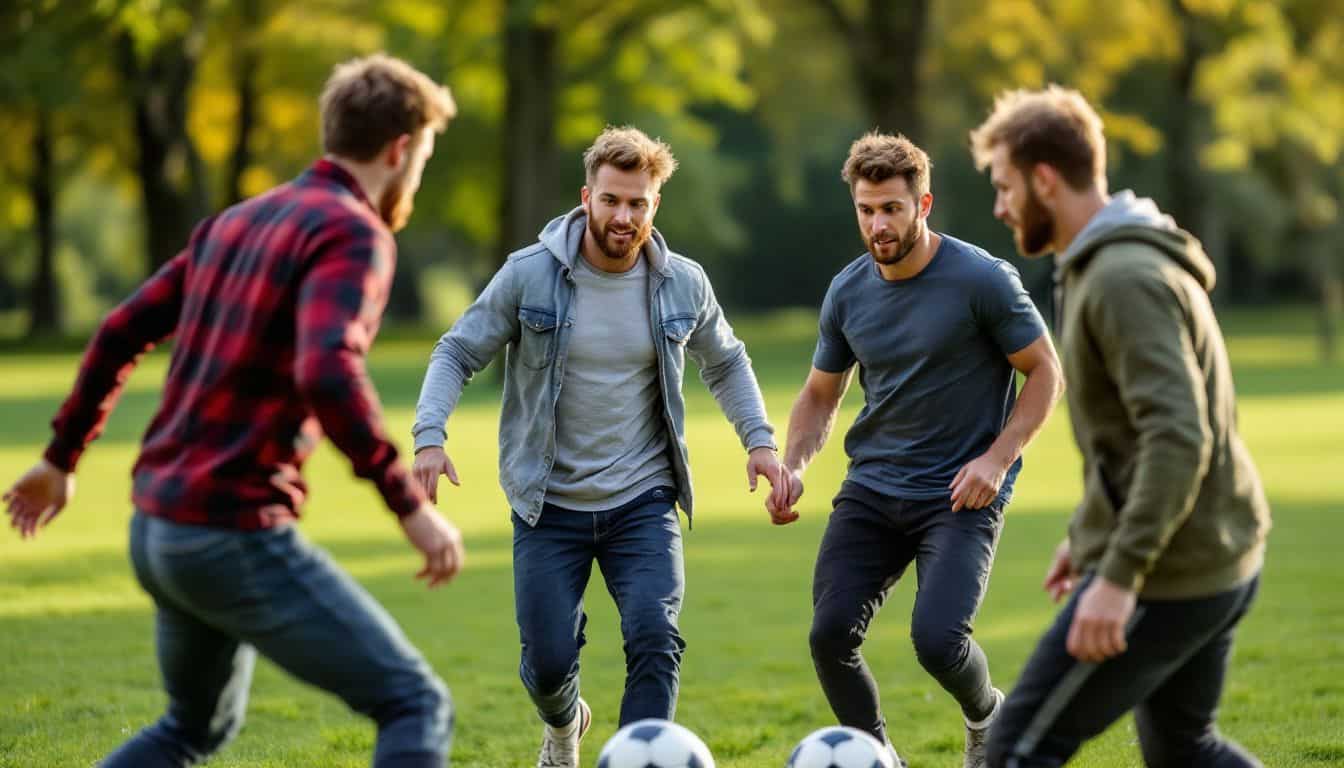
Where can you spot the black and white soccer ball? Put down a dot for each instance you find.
(654, 743)
(840, 747)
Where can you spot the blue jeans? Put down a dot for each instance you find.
(638, 548)
(224, 595)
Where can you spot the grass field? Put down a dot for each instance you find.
(77, 669)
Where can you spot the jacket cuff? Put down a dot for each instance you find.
(402, 495)
(429, 437)
(62, 455)
(761, 437)
(1122, 570)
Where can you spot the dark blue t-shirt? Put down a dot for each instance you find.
(932, 353)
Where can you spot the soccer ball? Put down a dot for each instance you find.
(840, 747)
(655, 743)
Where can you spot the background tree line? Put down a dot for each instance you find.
(125, 121)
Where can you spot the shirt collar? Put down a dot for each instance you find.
(330, 171)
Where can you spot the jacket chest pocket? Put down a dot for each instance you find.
(536, 337)
(677, 331)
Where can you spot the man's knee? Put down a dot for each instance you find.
(546, 667)
(939, 647)
(834, 635)
(437, 702)
(652, 634)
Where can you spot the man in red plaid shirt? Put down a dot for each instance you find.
(273, 305)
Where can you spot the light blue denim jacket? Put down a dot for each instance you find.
(526, 306)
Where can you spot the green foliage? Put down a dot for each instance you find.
(758, 98)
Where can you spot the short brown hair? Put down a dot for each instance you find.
(629, 149)
(877, 157)
(1055, 126)
(370, 101)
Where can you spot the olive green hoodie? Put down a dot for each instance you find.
(1172, 505)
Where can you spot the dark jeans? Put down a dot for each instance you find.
(869, 541)
(1171, 675)
(224, 595)
(638, 548)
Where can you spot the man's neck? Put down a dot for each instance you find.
(370, 178)
(1073, 214)
(915, 261)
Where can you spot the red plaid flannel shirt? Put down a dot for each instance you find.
(273, 303)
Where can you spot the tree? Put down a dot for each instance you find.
(885, 42)
(158, 49)
(1275, 91)
(40, 81)
(246, 66)
(571, 68)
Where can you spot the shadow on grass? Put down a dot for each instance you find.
(780, 345)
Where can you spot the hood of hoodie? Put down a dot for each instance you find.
(563, 236)
(1137, 219)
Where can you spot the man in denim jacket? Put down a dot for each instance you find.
(598, 317)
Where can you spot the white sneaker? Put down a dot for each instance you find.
(560, 746)
(896, 761)
(977, 734)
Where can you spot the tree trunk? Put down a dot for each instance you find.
(531, 80)
(245, 79)
(44, 302)
(886, 63)
(886, 46)
(529, 149)
(1185, 123)
(172, 180)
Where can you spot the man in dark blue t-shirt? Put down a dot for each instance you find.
(937, 328)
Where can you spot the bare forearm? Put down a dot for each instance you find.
(810, 423)
(1041, 390)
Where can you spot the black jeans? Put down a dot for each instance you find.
(869, 541)
(1171, 675)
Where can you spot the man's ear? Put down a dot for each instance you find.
(397, 151)
(1045, 180)
(925, 205)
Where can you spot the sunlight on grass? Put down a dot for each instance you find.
(77, 646)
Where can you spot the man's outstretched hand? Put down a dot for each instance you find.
(37, 497)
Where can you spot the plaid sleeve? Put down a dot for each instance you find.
(340, 303)
(148, 317)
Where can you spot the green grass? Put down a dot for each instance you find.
(77, 669)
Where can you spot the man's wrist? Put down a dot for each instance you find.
(1002, 455)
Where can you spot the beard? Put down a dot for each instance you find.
(1034, 229)
(603, 236)
(904, 245)
(396, 204)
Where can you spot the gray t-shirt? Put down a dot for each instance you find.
(611, 439)
(937, 387)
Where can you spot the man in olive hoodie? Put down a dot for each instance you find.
(1166, 546)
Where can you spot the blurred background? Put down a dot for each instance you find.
(126, 121)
